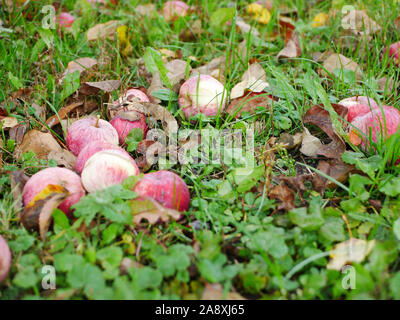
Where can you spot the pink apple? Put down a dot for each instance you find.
(107, 168)
(56, 176)
(358, 105)
(83, 131)
(92, 148)
(174, 9)
(5, 259)
(124, 126)
(384, 122)
(203, 94)
(166, 187)
(394, 52)
(65, 19)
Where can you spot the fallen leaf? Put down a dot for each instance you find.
(146, 10)
(177, 72)
(8, 122)
(249, 103)
(90, 88)
(62, 113)
(320, 117)
(18, 179)
(385, 84)
(296, 182)
(39, 142)
(103, 31)
(335, 169)
(350, 251)
(215, 291)
(288, 141)
(320, 20)
(282, 193)
(17, 133)
(253, 79)
(245, 28)
(292, 47)
(310, 145)
(215, 68)
(80, 65)
(150, 210)
(359, 23)
(338, 61)
(38, 216)
(63, 158)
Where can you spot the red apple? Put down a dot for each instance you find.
(107, 168)
(203, 94)
(384, 122)
(65, 19)
(166, 187)
(56, 176)
(358, 105)
(124, 126)
(394, 52)
(92, 148)
(174, 9)
(5, 259)
(86, 130)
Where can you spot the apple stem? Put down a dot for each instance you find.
(97, 122)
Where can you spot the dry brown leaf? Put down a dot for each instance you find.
(215, 291)
(310, 145)
(8, 122)
(349, 251)
(18, 179)
(288, 141)
(386, 84)
(282, 193)
(335, 169)
(249, 103)
(146, 10)
(152, 211)
(39, 142)
(359, 23)
(245, 28)
(215, 68)
(17, 133)
(63, 158)
(338, 61)
(89, 88)
(176, 72)
(103, 30)
(80, 65)
(320, 117)
(253, 79)
(292, 47)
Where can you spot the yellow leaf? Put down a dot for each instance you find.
(265, 16)
(320, 20)
(122, 32)
(254, 8)
(46, 192)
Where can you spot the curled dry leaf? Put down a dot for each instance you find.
(177, 72)
(8, 122)
(297, 182)
(350, 251)
(288, 141)
(37, 216)
(359, 23)
(39, 142)
(77, 108)
(320, 117)
(292, 47)
(63, 158)
(103, 31)
(310, 145)
(215, 68)
(282, 193)
(18, 179)
(152, 211)
(249, 103)
(80, 65)
(254, 79)
(17, 133)
(333, 168)
(338, 61)
(89, 88)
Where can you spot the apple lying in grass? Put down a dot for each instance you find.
(204, 94)
(358, 105)
(54, 176)
(384, 122)
(5, 259)
(65, 19)
(123, 125)
(92, 148)
(106, 168)
(394, 53)
(174, 9)
(166, 187)
(86, 130)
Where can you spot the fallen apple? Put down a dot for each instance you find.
(394, 52)
(384, 122)
(65, 19)
(83, 131)
(165, 187)
(124, 126)
(174, 9)
(106, 168)
(92, 148)
(358, 105)
(5, 259)
(202, 94)
(54, 176)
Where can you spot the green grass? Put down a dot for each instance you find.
(232, 234)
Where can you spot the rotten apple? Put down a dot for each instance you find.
(5, 259)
